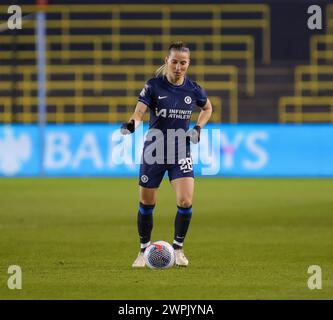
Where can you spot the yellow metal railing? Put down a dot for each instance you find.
(6, 115)
(166, 22)
(299, 115)
(97, 50)
(96, 54)
(84, 110)
(77, 84)
(317, 53)
(304, 84)
(315, 79)
(313, 83)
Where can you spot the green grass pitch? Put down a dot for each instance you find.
(248, 239)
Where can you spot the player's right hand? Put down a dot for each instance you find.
(127, 127)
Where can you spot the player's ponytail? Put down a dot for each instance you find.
(161, 71)
(178, 46)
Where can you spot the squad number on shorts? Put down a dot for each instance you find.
(186, 164)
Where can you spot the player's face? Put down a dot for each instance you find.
(177, 64)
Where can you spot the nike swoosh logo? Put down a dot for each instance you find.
(162, 97)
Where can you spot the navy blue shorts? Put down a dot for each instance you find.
(151, 175)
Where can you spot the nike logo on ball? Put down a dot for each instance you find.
(162, 97)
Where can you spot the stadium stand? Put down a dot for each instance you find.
(98, 58)
(313, 94)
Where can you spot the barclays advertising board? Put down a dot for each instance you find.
(224, 150)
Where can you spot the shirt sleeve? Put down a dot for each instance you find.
(201, 96)
(146, 95)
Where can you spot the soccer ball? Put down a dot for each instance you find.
(159, 255)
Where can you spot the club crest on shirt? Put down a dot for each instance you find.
(144, 178)
(188, 99)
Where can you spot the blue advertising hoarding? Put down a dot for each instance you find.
(224, 150)
(20, 152)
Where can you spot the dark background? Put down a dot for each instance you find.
(289, 32)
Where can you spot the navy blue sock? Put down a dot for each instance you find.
(182, 222)
(145, 224)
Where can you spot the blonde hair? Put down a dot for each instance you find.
(160, 71)
(178, 46)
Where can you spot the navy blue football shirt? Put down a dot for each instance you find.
(170, 108)
(170, 105)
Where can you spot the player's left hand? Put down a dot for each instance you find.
(127, 127)
(194, 134)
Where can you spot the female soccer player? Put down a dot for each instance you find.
(170, 97)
